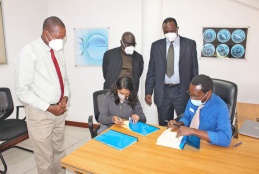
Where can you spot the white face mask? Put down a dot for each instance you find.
(170, 36)
(129, 50)
(198, 102)
(122, 97)
(55, 44)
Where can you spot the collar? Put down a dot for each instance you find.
(45, 47)
(210, 101)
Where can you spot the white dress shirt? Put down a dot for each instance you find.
(36, 79)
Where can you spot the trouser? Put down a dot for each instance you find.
(46, 132)
(171, 101)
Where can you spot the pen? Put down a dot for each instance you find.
(173, 124)
(118, 117)
(120, 120)
(133, 121)
(176, 125)
(236, 145)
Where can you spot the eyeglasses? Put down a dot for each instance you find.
(195, 97)
(128, 44)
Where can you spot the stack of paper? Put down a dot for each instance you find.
(169, 139)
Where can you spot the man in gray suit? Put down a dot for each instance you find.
(123, 61)
(170, 91)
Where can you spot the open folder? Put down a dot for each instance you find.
(116, 139)
(169, 139)
(139, 127)
(142, 128)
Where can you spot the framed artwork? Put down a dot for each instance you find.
(90, 45)
(224, 42)
(2, 41)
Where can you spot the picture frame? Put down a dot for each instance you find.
(90, 46)
(224, 42)
(3, 59)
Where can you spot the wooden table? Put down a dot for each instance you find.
(146, 157)
(246, 111)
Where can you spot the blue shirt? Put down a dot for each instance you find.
(214, 118)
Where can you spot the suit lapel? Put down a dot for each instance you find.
(182, 47)
(162, 48)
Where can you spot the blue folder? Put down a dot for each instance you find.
(142, 128)
(191, 140)
(183, 142)
(194, 141)
(116, 139)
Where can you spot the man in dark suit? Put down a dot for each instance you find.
(122, 61)
(170, 89)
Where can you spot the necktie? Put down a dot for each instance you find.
(59, 73)
(196, 118)
(170, 61)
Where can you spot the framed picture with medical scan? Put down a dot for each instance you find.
(2, 41)
(224, 43)
(90, 45)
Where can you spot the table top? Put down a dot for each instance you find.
(246, 111)
(145, 156)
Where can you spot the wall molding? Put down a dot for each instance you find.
(78, 124)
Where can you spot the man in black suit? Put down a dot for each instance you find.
(170, 91)
(122, 61)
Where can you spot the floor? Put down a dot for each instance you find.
(22, 162)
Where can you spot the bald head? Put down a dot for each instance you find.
(128, 38)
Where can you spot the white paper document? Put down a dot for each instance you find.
(126, 124)
(169, 139)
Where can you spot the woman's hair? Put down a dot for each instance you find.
(125, 83)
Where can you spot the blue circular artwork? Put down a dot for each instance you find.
(208, 49)
(237, 51)
(223, 35)
(209, 35)
(238, 36)
(96, 45)
(80, 46)
(222, 50)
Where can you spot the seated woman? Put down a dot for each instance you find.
(121, 102)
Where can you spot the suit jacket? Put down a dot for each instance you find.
(112, 62)
(188, 68)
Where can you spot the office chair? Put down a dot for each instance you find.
(227, 91)
(12, 131)
(98, 97)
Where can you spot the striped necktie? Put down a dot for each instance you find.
(170, 61)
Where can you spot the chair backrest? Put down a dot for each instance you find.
(6, 103)
(227, 91)
(98, 97)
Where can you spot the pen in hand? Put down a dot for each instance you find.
(172, 124)
(120, 120)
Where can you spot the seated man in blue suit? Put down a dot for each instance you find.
(213, 123)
